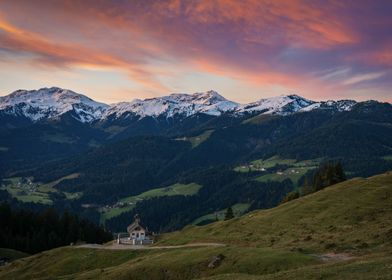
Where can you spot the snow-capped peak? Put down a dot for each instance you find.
(49, 103)
(283, 105)
(209, 102)
(338, 105)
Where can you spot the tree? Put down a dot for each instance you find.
(307, 188)
(327, 174)
(341, 176)
(290, 196)
(229, 214)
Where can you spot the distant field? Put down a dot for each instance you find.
(72, 196)
(49, 187)
(238, 210)
(176, 189)
(294, 174)
(25, 190)
(388, 157)
(259, 164)
(108, 213)
(197, 140)
(271, 162)
(295, 171)
(130, 201)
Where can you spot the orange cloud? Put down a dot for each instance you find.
(61, 54)
(384, 57)
(298, 20)
(256, 78)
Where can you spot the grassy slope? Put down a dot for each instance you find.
(175, 189)
(197, 140)
(238, 210)
(352, 215)
(372, 267)
(78, 263)
(280, 243)
(49, 187)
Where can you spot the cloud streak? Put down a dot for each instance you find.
(363, 78)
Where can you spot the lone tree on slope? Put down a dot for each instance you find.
(229, 214)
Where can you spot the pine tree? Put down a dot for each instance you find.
(229, 214)
(341, 176)
(327, 174)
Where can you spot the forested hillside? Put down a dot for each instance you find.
(33, 232)
(264, 157)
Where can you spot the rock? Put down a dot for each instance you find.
(216, 261)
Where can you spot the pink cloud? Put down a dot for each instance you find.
(261, 42)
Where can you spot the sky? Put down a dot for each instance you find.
(246, 50)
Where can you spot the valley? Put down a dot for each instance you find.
(343, 230)
(274, 169)
(147, 162)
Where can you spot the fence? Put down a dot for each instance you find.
(124, 238)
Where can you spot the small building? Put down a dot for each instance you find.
(138, 234)
(136, 230)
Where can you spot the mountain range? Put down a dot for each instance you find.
(52, 103)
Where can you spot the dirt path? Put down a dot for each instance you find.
(329, 257)
(116, 246)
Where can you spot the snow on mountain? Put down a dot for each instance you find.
(50, 103)
(209, 102)
(283, 105)
(339, 105)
